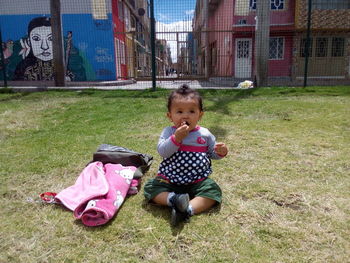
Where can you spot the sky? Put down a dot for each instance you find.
(169, 11)
(172, 16)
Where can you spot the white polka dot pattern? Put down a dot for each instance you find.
(185, 167)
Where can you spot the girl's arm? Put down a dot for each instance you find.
(167, 145)
(216, 150)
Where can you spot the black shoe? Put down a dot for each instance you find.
(177, 217)
(180, 202)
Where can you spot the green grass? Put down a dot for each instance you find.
(285, 181)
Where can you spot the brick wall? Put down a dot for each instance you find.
(321, 19)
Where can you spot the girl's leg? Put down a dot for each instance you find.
(201, 204)
(180, 201)
(161, 199)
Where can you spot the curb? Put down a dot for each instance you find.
(30, 86)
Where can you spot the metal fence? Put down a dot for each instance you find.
(218, 42)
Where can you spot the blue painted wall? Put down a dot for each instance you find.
(92, 55)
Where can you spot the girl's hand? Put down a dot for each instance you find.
(181, 132)
(221, 149)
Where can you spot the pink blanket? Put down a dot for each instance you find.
(99, 192)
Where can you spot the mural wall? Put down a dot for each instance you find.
(88, 40)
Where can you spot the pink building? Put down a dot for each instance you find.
(231, 40)
(220, 39)
(281, 38)
(119, 38)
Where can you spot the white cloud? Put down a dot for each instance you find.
(162, 17)
(168, 32)
(189, 12)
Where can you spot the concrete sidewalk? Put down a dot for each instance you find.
(33, 86)
(28, 86)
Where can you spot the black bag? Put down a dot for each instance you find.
(107, 153)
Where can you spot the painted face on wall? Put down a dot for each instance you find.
(41, 42)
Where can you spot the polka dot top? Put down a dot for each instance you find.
(190, 161)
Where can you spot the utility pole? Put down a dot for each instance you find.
(57, 44)
(153, 45)
(262, 41)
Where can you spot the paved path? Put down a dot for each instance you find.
(119, 85)
(166, 84)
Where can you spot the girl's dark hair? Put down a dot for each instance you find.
(38, 22)
(185, 91)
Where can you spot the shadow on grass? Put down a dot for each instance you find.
(222, 97)
(13, 95)
(157, 211)
(221, 103)
(165, 212)
(162, 212)
(219, 132)
(146, 93)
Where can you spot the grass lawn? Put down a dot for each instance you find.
(285, 182)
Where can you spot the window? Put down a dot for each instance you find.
(303, 47)
(132, 3)
(133, 23)
(120, 11)
(243, 49)
(324, 47)
(276, 48)
(214, 54)
(275, 4)
(99, 9)
(334, 4)
(338, 45)
(321, 47)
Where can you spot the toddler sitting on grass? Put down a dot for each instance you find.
(183, 182)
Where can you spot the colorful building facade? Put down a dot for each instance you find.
(231, 26)
(329, 52)
(93, 50)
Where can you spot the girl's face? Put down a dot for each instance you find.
(41, 42)
(185, 111)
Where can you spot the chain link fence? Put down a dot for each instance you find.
(221, 42)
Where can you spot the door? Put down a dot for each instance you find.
(243, 58)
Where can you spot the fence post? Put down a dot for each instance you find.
(58, 48)
(3, 64)
(262, 41)
(307, 44)
(153, 46)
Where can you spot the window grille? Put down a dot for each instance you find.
(275, 4)
(243, 49)
(276, 48)
(338, 45)
(303, 47)
(321, 47)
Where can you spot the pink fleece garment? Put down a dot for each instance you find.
(99, 192)
(100, 210)
(90, 184)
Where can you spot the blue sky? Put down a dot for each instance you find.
(169, 11)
